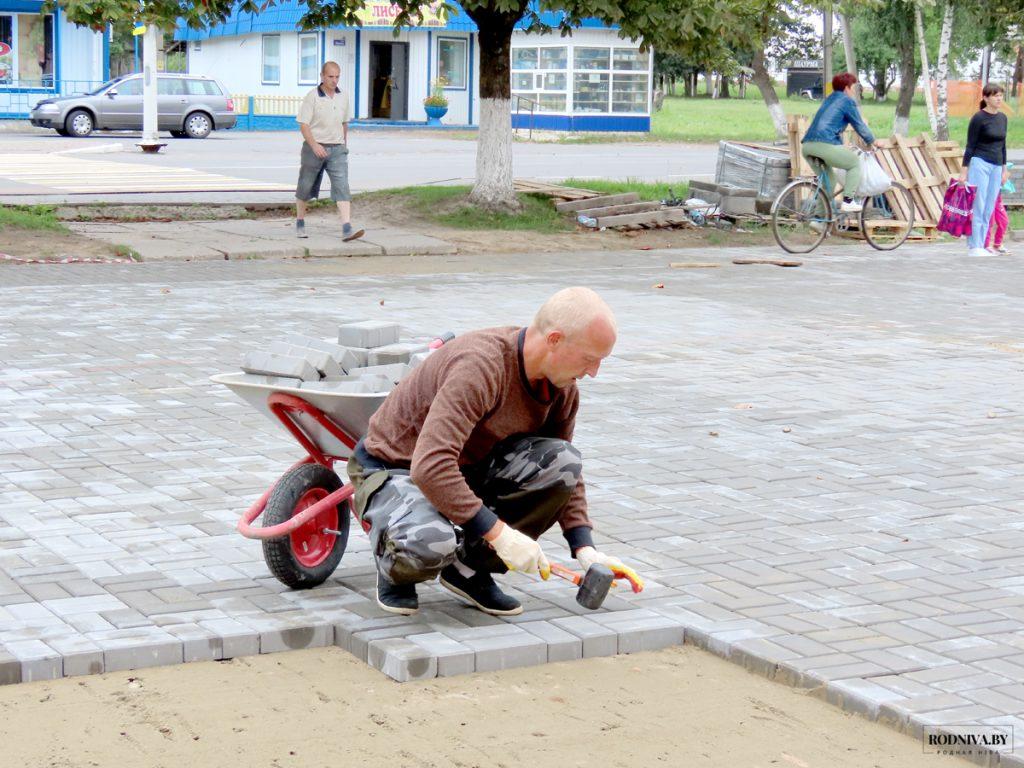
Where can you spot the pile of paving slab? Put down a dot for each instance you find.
(367, 358)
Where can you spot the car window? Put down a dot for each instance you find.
(169, 86)
(131, 87)
(195, 88)
(212, 89)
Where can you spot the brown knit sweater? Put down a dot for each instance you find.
(455, 407)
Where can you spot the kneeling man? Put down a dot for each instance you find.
(469, 460)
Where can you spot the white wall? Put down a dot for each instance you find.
(81, 53)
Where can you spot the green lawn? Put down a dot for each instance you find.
(707, 120)
(657, 190)
(30, 217)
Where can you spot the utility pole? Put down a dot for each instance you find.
(150, 141)
(826, 51)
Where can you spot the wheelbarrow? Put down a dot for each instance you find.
(305, 525)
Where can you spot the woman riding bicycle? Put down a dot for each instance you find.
(824, 142)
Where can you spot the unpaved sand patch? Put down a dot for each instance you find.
(677, 707)
(45, 244)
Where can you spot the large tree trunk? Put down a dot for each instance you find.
(493, 189)
(725, 88)
(908, 77)
(851, 56)
(942, 75)
(919, 24)
(764, 84)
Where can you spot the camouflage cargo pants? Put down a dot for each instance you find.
(526, 481)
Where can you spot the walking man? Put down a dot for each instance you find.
(479, 436)
(323, 121)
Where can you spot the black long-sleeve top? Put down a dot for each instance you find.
(986, 138)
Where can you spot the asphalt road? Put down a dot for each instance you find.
(378, 160)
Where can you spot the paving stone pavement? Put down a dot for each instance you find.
(817, 470)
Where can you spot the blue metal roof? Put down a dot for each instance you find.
(285, 15)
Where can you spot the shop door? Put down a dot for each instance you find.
(389, 78)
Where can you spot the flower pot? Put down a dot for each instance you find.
(434, 114)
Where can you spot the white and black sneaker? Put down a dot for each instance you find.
(397, 598)
(300, 229)
(481, 592)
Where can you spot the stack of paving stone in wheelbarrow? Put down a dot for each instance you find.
(367, 358)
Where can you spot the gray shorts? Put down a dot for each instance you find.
(312, 169)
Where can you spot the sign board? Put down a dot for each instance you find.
(5, 49)
(382, 14)
(805, 64)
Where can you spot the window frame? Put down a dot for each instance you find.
(464, 42)
(15, 83)
(538, 74)
(298, 58)
(263, 59)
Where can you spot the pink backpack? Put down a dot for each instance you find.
(956, 209)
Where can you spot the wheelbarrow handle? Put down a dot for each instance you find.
(441, 340)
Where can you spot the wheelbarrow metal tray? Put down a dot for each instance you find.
(349, 410)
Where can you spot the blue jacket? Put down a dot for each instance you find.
(834, 114)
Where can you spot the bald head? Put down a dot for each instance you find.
(572, 311)
(330, 68)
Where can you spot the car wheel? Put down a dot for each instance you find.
(79, 123)
(198, 125)
(62, 131)
(179, 134)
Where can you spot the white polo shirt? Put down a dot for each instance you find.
(325, 115)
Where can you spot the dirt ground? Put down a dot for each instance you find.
(677, 707)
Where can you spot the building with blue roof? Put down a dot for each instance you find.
(590, 81)
(43, 55)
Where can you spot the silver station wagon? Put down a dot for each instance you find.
(187, 106)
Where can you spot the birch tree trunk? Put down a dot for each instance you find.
(942, 75)
(848, 49)
(763, 81)
(493, 189)
(919, 23)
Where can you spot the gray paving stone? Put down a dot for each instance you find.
(453, 658)
(296, 638)
(521, 649)
(597, 639)
(562, 645)
(38, 661)
(402, 660)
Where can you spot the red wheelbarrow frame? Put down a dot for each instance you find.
(283, 405)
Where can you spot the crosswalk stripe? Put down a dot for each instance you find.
(84, 175)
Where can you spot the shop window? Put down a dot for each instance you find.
(542, 87)
(554, 58)
(524, 58)
(309, 59)
(26, 50)
(271, 59)
(451, 61)
(590, 92)
(629, 93)
(592, 58)
(630, 59)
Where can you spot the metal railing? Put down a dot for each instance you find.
(518, 109)
(17, 97)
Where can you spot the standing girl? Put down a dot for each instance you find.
(985, 163)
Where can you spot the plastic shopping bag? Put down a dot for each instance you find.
(873, 180)
(956, 209)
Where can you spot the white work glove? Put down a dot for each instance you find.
(588, 556)
(519, 552)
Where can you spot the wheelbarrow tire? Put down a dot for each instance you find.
(307, 557)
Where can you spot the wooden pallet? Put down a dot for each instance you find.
(553, 190)
(796, 127)
(600, 201)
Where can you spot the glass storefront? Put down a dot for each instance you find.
(26, 49)
(581, 79)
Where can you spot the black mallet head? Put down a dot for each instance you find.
(594, 586)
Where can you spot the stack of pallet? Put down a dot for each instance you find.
(920, 164)
(620, 211)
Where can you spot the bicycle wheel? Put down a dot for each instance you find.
(886, 220)
(801, 217)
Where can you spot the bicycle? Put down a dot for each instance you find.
(806, 212)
